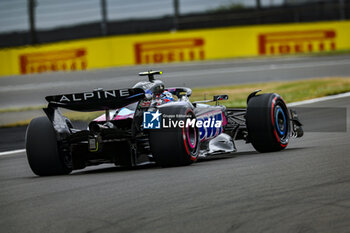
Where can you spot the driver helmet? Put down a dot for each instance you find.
(166, 97)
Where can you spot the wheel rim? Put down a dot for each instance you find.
(191, 137)
(281, 122)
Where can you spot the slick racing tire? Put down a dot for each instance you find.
(42, 149)
(175, 146)
(267, 122)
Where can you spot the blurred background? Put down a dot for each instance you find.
(24, 22)
(197, 43)
(297, 48)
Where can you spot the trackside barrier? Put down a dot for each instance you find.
(179, 46)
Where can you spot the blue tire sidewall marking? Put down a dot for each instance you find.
(279, 109)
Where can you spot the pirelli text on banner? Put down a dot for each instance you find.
(288, 42)
(186, 49)
(56, 60)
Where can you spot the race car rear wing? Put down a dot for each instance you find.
(96, 100)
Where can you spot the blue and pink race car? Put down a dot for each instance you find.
(150, 123)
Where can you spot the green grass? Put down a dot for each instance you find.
(291, 91)
(21, 109)
(73, 116)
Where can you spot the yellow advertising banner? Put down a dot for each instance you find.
(178, 46)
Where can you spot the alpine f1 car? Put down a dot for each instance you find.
(153, 124)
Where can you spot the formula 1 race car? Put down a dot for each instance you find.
(153, 124)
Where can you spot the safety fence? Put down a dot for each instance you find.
(181, 46)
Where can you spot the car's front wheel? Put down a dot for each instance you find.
(268, 122)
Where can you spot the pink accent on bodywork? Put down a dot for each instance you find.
(100, 118)
(211, 113)
(120, 116)
(131, 115)
(224, 120)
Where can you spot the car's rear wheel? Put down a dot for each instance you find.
(175, 146)
(42, 149)
(267, 122)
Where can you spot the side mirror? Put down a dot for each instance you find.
(216, 99)
(220, 97)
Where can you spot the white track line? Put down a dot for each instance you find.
(12, 152)
(332, 97)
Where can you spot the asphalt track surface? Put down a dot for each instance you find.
(30, 90)
(305, 188)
